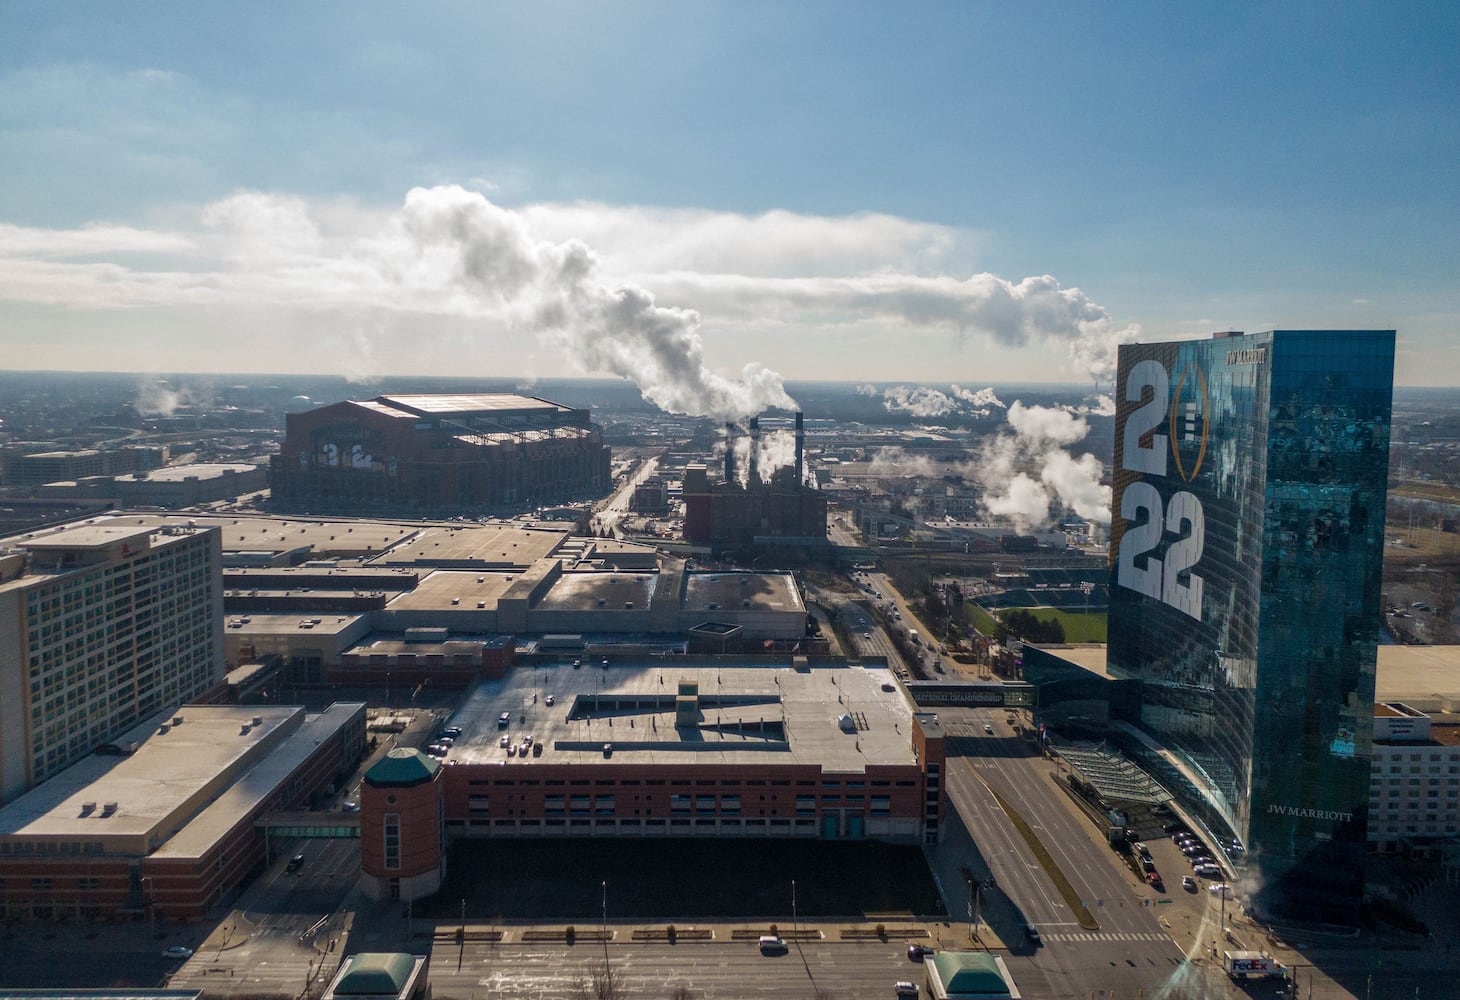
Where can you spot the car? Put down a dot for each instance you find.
(1154, 877)
(1188, 883)
(504, 742)
(1148, 864)
(445, 740)
(866, 635)
(888, 687)
(770, 944)
(453, 731)
(295, 863)
(903, 988)
(350, 807)
(504, 720)
(608, 749)
(1032, 933)
(438, 750)
(537, 749)
(917, 952)
(1202, 861)
(989, 730)
(177, 951)
(1218, 888)
(549, 700)
(1193, 850)
(1142, 849)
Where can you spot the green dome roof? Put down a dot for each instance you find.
(402, 767)
(376, 973)
(970, 974)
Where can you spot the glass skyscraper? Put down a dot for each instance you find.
(1246, 554)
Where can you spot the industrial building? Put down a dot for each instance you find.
(170, 822)
(1246, 550)
(779, 510)
(661, 748)
(422, 455)
(102, 624)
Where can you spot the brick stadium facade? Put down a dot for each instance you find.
(437, 454)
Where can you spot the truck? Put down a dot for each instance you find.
(1252, 965)
(912, 637)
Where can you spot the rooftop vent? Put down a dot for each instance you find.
(87, 808)
(177, 720)
(258, 720)
(109, 809)
(164, 729)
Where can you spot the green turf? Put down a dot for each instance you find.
(1079, 627)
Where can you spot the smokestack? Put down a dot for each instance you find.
(729, 451)
(754, 476)
(800, 450)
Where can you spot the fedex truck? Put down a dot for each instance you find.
(1252, 965)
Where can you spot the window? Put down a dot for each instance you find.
(392, 840)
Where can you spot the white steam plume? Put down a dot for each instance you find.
(1025, 469)
(920, 401)
(982, 399)
(156, 398)
(926, 402)
(449, 238)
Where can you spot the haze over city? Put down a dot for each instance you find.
(708, 199)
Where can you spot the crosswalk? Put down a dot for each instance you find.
(1105, 936)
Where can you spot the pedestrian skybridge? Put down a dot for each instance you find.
(337, 825)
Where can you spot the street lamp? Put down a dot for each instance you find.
(795, 931)
(971, 893)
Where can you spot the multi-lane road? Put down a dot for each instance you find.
(1132, 951)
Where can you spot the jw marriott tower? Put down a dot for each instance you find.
(1247, 540)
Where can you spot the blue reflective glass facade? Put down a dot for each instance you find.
(1246, 556)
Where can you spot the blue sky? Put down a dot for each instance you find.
(966, 192)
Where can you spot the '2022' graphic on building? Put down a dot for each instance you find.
(1163, 420)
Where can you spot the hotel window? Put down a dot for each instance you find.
(729, 805)
(392, 840)
(704, 805)
(679, 805)
(603, 805)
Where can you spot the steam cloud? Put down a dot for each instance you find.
(927, 402)
(1027, 467)
(156, 398)
(454, 238)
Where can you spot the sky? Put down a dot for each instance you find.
(711, 197)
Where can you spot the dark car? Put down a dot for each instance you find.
(295, 863)
(917, 952)
(1032, 933)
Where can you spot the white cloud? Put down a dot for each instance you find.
(631, 305)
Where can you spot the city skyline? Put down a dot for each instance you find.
(710, 199)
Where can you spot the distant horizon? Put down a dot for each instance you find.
(614, 379)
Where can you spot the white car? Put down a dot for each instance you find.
(1217, 888)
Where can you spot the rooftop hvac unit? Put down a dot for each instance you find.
(109, 809)
(258, 720)
(177, 720)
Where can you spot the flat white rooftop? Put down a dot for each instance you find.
(750, 714)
